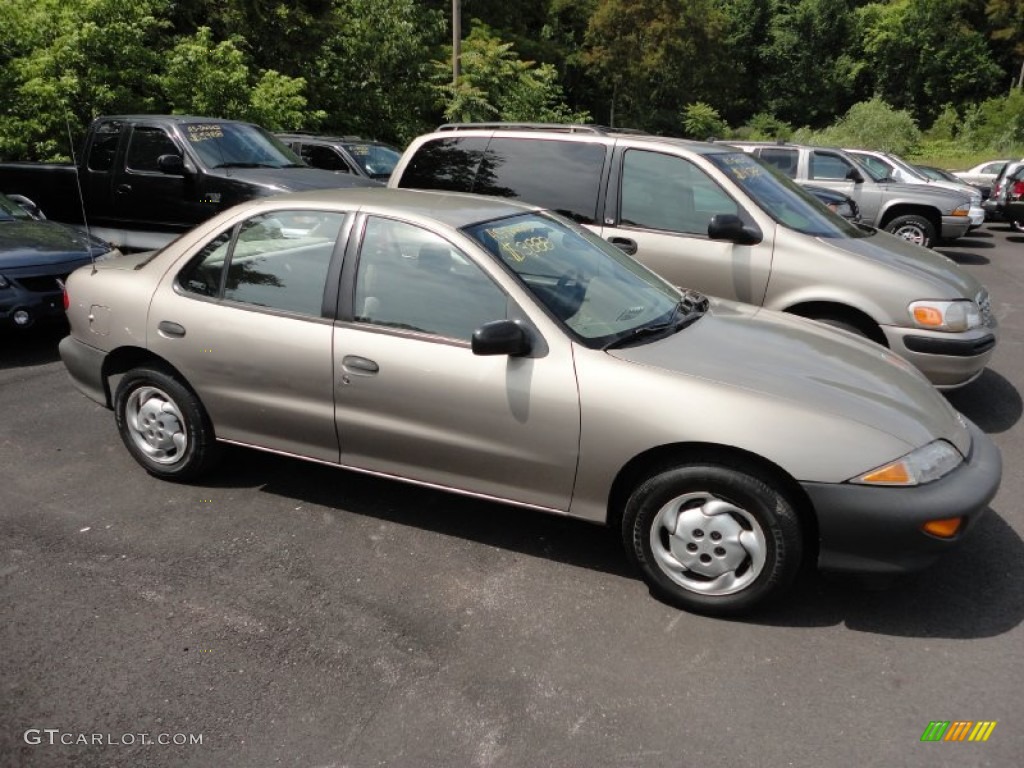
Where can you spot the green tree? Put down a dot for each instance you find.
(655, 55)
(920, 55)
(495, 84)
(702, 121)
(876, 125)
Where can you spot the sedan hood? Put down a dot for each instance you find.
(297, 179)
(812, 365)
(31, 243)
(899, 254)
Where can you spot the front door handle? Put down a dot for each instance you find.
(624, 244)
(124, 189)
(356, 364)
(167, 328)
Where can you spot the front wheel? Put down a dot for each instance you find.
(913, 228)
(163, 425)
(712, 539)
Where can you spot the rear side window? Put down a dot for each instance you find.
(104, 146)
(324, 157)
(563, 176)
(448, 164)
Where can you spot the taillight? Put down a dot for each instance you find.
(67, 299)
(1017, 190)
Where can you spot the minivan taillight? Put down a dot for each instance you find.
(1017, 190)
(67, 299)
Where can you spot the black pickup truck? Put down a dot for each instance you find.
(142, 180)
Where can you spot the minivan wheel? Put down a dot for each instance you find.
(914, 228)
(163, 425)
(712, 539)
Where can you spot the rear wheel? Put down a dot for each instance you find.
(163, 425)
(914, 228)
(711, 538)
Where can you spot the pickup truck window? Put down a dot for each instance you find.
(146, 145)
(104, 146)
(238, 145)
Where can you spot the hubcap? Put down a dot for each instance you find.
(911, 232)
(708, 545)
(156, 425)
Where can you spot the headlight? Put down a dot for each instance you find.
(954, 316)
(4, 283)
(927, 463)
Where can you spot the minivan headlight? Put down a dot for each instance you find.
(927, 463)
(953, 316)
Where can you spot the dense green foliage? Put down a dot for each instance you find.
(925, 77)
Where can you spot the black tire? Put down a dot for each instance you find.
(742, 504)
(163, 425)
(914, 228)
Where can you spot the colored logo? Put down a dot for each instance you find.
(958, 730)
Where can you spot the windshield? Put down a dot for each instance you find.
(783, 199)
(10, 210)
(238, 145)
(600, 294)
(378, 160)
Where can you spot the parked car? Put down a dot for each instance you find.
(835, 201)
(941, 174)
(1005, 185)
(898, 169)
(36, 256)
(344, 154)
(142, 180)
(710, 217)
(982, 174)
(490, 348)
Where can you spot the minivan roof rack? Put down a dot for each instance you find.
(558, 127)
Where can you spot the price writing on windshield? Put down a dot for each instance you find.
(202, 131)
(518, 244)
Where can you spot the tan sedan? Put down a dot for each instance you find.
(496, 350)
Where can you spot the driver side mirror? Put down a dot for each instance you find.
(729, 226)
(501, 337)
(855, 176)
(171, 164)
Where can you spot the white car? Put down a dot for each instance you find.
(983, 173)
(899, 169)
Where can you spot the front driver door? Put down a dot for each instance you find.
(413, 401)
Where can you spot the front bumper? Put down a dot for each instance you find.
(865, 529)
(30, 307)
(954, 227)
(949, 360)
(977, 216)
(85, 366)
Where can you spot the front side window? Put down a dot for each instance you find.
(324, 157)
(669, 193)
(785, 160)
(276, 260)
(145, 147)
(830, 166)
(412, 279)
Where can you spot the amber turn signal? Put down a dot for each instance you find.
(944, 529)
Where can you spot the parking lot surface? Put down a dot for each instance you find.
(285, 613)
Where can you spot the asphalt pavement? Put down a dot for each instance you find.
(289, 614)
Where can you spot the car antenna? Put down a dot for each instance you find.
(78, 186)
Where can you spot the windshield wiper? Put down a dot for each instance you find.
(690, 308)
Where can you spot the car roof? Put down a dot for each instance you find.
(456, 209)
(299, 136)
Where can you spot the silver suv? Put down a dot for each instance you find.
(496, 350)
(713, 218)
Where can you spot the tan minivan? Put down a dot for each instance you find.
(713, 218)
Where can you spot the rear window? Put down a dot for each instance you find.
(447, 164)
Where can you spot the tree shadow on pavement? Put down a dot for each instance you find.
(973, 591)
(990, 401)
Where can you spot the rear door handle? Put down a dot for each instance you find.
(624, 244)
(167, 328)
(356, 364)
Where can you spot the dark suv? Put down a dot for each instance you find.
(345, 154)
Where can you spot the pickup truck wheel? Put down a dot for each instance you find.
(711, 538)
(914, 228)
(163, 425)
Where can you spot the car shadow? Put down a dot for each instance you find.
(966, 258)
(973, 592)
(31, 347)
(1015, 238)
(990, 401)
